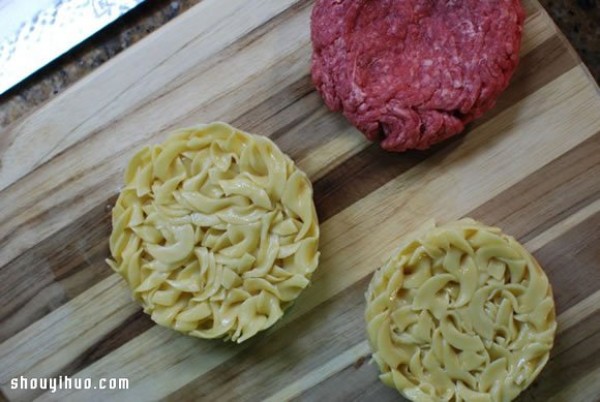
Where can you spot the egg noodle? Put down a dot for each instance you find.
(460, 312)
(215, 232)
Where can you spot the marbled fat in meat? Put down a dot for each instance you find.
(412, 73)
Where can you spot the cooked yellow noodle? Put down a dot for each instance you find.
(460, 312)
(215, 232)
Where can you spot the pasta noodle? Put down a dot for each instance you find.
(215, 232)
(461, 312)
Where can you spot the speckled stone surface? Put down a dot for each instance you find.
(50, 81)
(578, 19)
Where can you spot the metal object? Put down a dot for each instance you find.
(35, 32)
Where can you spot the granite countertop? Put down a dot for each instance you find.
(578, 20)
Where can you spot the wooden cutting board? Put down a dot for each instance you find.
(530, 166)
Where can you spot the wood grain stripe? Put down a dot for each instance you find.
(356, 381)
(355, 353)
(371, 168)
(101, 158)
(327, 332)
(437, 172)
(334, 278)
(511, 226)
(574, 357)
(69, 262)
(98, 166)
(316, 284)
(404, 197)
(553, 55)
(345, 361)
(567, 224)
(578, 244)
(548, 195)
(64, 333)
(132, 326)
(362, 174)
(355, 177)
(348, 362)
(583, 390)
(205, 37)
(184, 357)
(573, 353)
(359, 191)
(538, 28)
(581, 311)
(570, 321)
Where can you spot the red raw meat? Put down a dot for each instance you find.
(412, 73)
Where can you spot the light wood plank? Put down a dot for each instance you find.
(102, 124)
(528, 165)
(471, 162)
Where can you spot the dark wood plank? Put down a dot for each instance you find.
(572, 263)
(288, 352)
(549, 195)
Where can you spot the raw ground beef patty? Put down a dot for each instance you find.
(412, 73)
